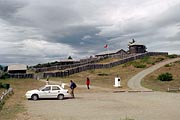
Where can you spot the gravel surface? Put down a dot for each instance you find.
(109, 105)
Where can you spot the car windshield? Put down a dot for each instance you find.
(41, 88)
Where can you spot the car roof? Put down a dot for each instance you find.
(54, 85)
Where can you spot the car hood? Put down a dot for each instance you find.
(32, 91)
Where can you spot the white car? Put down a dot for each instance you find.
(48, 91)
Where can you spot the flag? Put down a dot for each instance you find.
(106, 46)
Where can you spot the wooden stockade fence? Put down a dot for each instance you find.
(63, 67)
(99, 66)
(21, 75)
(72, 69)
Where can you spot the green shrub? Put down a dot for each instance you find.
(103, 74)
(1, 104)
(172, 56)
(4, 76)
(125, 65)
(159, 59)
(140, 66)
(165, 77)
(153, 63)
(145, 59)
(169, 65)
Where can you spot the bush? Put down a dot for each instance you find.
(1, 104)
(103, 74)
(4, 76)
(169, 65)
(172, 56)
(135, 64)
(140, 66)
(145, 59)
(159, 59)
(165, 77)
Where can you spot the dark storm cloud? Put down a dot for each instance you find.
(52, 30)
(9, 7)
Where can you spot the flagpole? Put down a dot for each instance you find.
(108, 51)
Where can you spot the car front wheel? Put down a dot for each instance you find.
(34, 97)
(60, 97)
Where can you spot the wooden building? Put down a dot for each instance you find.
(137, 48)
(116, 53)
(68, 62)
(17, 68)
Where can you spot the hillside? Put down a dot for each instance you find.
(152, 82)
(105, 77)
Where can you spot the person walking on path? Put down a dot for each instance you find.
(88, 82)
(47, 82)
(72, 86)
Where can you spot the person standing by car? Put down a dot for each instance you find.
(88, 82)
(72, 86)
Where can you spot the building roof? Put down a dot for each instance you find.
(110, 52)
(135, 44)
(17, 67)
(68, 60)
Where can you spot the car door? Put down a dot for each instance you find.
(45, 92)
(55, 91)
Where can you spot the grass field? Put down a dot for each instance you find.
(152, 82)
(100, 77)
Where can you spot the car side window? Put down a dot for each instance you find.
(47, 88)
(55, 88)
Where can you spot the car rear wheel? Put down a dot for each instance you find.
(60, 97)
(34, 97)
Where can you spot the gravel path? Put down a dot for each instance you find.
(135, 82)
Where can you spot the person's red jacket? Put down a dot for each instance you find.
(87, 82)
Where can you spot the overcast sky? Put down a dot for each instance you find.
(38, 31)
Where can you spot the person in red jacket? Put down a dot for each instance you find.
(88, 82)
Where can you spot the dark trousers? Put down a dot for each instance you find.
(88, 86)
(72, 92)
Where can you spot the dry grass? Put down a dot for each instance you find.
(102, 77)
(1, 90)
(108, 60)
(151, 81)
(14, 104)
(105, 77)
